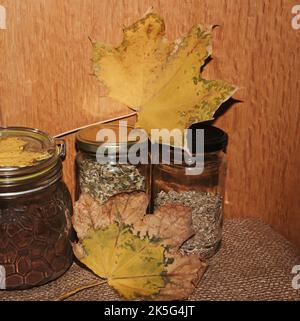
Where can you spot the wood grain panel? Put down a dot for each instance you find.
(46, 82)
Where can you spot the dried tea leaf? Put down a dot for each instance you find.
(134, 252)
(159, 79)
(105, 180)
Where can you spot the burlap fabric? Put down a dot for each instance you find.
(254, 263)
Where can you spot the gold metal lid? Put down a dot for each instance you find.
(20, 148)
(117, 139)
(28, 156)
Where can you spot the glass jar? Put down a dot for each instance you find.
(203, 193)
(105, 166)
(35, 209)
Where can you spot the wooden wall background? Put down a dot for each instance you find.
(45, 82)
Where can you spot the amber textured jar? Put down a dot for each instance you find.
(35, 210)
(203, 192)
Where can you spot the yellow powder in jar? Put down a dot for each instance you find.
(14, 154)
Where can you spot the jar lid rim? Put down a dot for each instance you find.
(36, 141)
(88, 140)
(215, 139)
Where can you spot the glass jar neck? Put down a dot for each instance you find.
(140, 155)
(15, 185)
(167, 155)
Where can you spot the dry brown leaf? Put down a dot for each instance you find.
(137, 253)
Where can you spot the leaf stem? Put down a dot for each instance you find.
(84, 287)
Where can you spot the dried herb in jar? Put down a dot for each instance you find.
(105, 180)
(207, 219)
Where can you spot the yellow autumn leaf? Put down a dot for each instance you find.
(137, 253)
(159, 79)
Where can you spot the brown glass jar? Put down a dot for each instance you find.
(203, 192)
(112, 172)
(35, 209)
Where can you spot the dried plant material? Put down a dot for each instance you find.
(159, 79)
(185, 274)
(136, 253)
(206, 216)
(15, 153)
(105, 180)
(171, 223)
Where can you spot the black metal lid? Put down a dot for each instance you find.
(215, 139)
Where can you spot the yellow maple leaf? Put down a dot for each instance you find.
(159, 79)
(136, 253)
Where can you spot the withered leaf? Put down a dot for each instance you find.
(137, 253)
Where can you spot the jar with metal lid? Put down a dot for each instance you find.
(35, 209)
(203, 193)
(111, 159)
